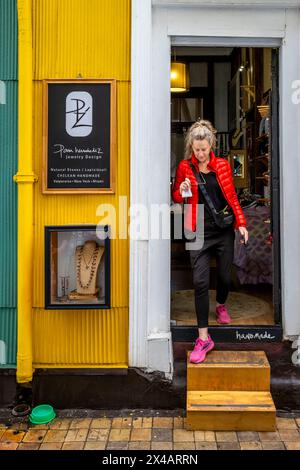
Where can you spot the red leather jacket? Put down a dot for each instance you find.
(224, 177)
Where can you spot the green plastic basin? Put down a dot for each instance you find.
(42, 414)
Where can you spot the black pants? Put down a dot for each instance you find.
(221, 243)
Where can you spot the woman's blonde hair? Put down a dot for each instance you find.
(200, 130)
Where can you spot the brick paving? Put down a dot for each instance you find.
(133, 432)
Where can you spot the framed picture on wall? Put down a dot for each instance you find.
(239, 165)
(79, 136)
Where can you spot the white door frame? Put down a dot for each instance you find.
(154, 28)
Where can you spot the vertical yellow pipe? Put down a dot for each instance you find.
(25, 179)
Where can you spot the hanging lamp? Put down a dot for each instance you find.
(179, 77)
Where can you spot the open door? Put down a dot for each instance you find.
(237, 89)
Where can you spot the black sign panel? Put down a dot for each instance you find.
(79, 136)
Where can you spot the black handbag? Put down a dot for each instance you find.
(223, 218)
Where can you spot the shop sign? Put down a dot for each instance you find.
(79, 136)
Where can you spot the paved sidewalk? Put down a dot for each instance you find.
(138, 430)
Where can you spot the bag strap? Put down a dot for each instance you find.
(203, 190)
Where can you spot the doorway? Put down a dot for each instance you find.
(236, 88)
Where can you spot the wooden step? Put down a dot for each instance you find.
(230, 370)
(234, 411)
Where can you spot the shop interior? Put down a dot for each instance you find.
(231, 87)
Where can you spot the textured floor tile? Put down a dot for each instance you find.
(289, 435)
(182, 435)
(80, 423)
(73, 446)
(286, 423)
(206, 445)
(199, 435)
(100, 423)
(163, 423)
(98, 445)
(28, 446)
(123, 423)
(254, 445)
(178, 423)
(35, 435)
(269, 436)
(76, 435)
(144, 423)
(228, 446)
(139, 445)
(226, 436)
(8, 445)
(117, 446)
(119, 435)
(273, 445)
(35, 427)
(24, 427)
(127, 423)
(184, 446)
(59, 423)
(290, 445)
(162, 435)
(21, 426)
(116, 423)
(98, 435)
(51, 446)
(11, 435)
(55, 435)
(147, 423)
(209, 436)
(161, 445)
(247, 436)
(140, 435)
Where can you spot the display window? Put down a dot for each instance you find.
(77, 267)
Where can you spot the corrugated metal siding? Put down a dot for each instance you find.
(87, 37)
(81, 338)
(8, 327)
(8, 40)
(8, 196)
(93, 38)
(8, 189)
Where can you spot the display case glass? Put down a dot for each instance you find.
(77, 263)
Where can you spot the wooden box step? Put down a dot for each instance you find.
(234, 411)
(230, 370)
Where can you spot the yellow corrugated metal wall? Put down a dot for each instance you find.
(90, 38)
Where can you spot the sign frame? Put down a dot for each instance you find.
(113, 138)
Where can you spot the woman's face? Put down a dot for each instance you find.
(201, 149)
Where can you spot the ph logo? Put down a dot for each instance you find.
(79, 114)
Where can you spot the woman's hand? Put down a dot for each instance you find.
(244, 232)
(185, 185)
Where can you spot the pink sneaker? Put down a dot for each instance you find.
(201, 349)
(223, 316)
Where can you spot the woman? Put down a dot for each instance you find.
(216, 174)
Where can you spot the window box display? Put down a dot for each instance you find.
(77, 262)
